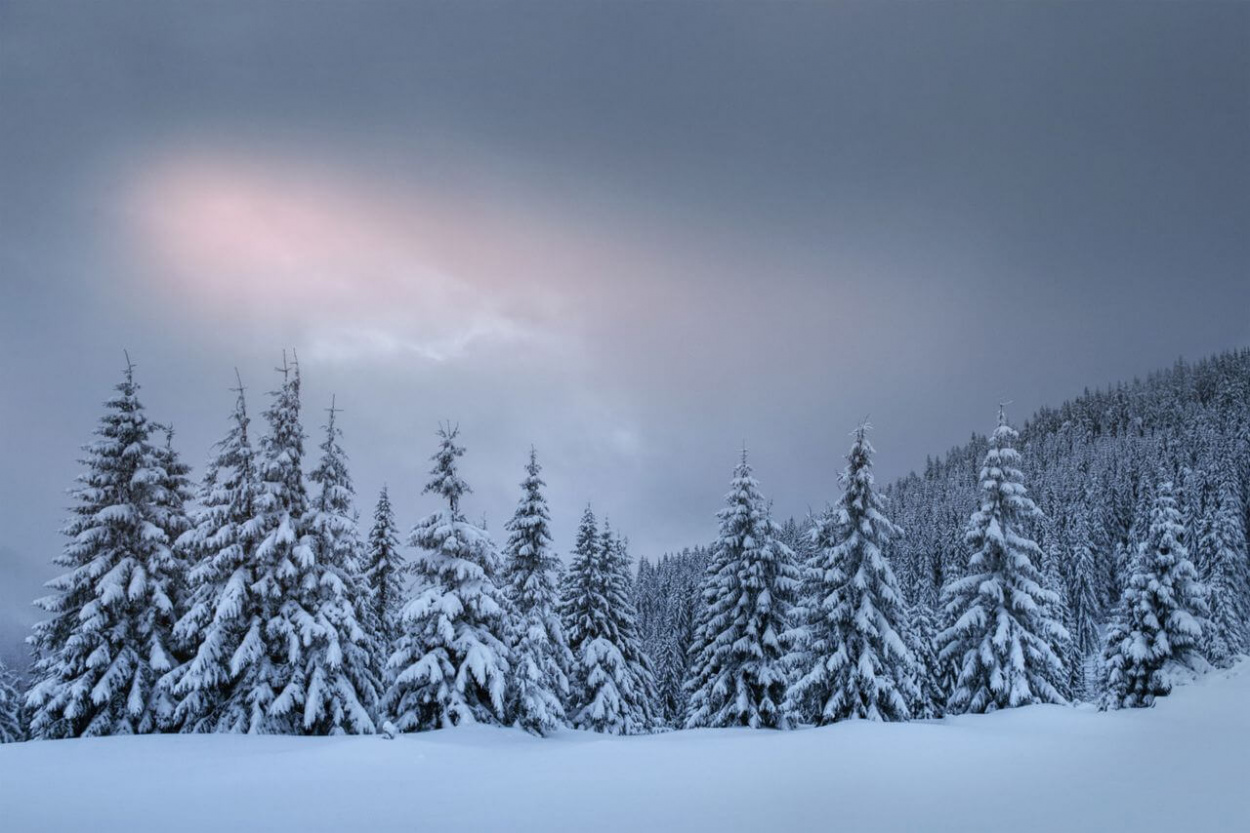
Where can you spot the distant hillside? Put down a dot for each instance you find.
(1091, 465)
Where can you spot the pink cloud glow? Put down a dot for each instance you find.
(366, 267)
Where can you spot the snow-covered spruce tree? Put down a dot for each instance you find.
(11, 728)
(611, 686)
(226, 607)
(1226, 574)
(738, 673)
(174, 496)
(99, 659)
(341, 656)
(385, 572)
(853, 660)
(274, 650)
(451, 662)
(582, 604)
(931, 673)
(641, 668)
(273, 677)
(1157, 622)
(1001, 635)
(540, 653)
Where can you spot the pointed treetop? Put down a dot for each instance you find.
(240, 404)
(288, 393)
(742, 469)
(444, 479)
(333, 411)
(166, 428)
(128, 387)
(289, 367)
(861, 436)
(859, 457)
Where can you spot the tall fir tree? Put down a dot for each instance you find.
(738, 668)
(341, 656)
(853, 660)
(11, 725)
(101, 657)
(275, 677)
(1001, 633)
(279, 677)
(641, 670)
(451, 663)
(612, 684)
(580, 593)
(277, 647)
(224, 619)
(385, 572)
(174, 497)
(541, 658)
(1157, 623)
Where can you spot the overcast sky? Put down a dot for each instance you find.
(634, 234)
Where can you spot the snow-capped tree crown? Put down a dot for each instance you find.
(739, 669)
(385, 569)
(1002, 633)
(613, 681)
(853, 657)
(531, 564)
(99, 659)
(445, 479)
(452, 661)
(1158, 622)
(541, 656)
(220, 627)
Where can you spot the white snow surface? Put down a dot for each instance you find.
(1178, 767)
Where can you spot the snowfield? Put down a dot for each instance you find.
(1180, 767)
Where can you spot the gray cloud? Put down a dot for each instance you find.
(711, 223)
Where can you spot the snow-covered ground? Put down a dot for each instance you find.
(1181, 767)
